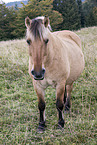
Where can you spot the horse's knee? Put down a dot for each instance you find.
(41, 105)
(40, 94)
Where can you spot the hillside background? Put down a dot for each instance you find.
(64, 14)
(18, 3)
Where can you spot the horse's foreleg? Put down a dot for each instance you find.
(68, 102)
(41, 107)
(60, 104)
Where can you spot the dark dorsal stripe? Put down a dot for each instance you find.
(36, 28)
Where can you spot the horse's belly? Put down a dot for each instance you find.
(75, 71)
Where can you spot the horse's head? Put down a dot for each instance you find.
(37, 39)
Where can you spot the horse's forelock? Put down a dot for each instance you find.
(35, 28)
(38, 29)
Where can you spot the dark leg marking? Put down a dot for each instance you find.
(67, 104)
(59, 106)
(68, 100)
(65, 95)
(41, 107)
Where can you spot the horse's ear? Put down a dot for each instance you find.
(27, 21)
(46, 21)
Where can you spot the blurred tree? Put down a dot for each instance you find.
(90, 12)
(16, 7)
(69, 11)
(81, 14)
(7, 17)
(12, 20)
(63, 14)
(95, 14)
(3, 21)
(33, 9)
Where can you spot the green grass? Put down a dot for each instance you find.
(19, 114)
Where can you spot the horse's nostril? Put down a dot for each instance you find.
(43, 71)
(32, 71)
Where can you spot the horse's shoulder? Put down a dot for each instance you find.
(66, 34)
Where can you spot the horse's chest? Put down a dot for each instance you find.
(52, 83)
(48, 82)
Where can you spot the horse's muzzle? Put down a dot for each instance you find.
(38, 75)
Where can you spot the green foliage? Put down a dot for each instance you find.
(69, 11)
(7, 18)
(90, 12)
(81, 14)
(63, 14)
(19, 114)
(33, 9)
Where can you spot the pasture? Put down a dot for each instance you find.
(18, 100)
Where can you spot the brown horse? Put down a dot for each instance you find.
(55, 59)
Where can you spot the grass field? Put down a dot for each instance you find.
(19, 116)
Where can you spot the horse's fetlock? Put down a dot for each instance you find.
(41, 127)
(61, 123)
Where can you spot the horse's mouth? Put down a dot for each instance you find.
(38, 78)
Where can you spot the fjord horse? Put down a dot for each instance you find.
(55, 59)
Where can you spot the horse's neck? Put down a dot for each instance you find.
(52, 49)
(56, 47)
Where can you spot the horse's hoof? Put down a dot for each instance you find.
(61, 124)
(40, 130)
(59, 127)
(41, 127)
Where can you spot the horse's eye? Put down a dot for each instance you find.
(29, 41)
(46, 41)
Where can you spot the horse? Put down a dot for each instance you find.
(55, 59)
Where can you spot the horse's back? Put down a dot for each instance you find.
(70, 36)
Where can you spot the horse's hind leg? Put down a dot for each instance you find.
(67, 97)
